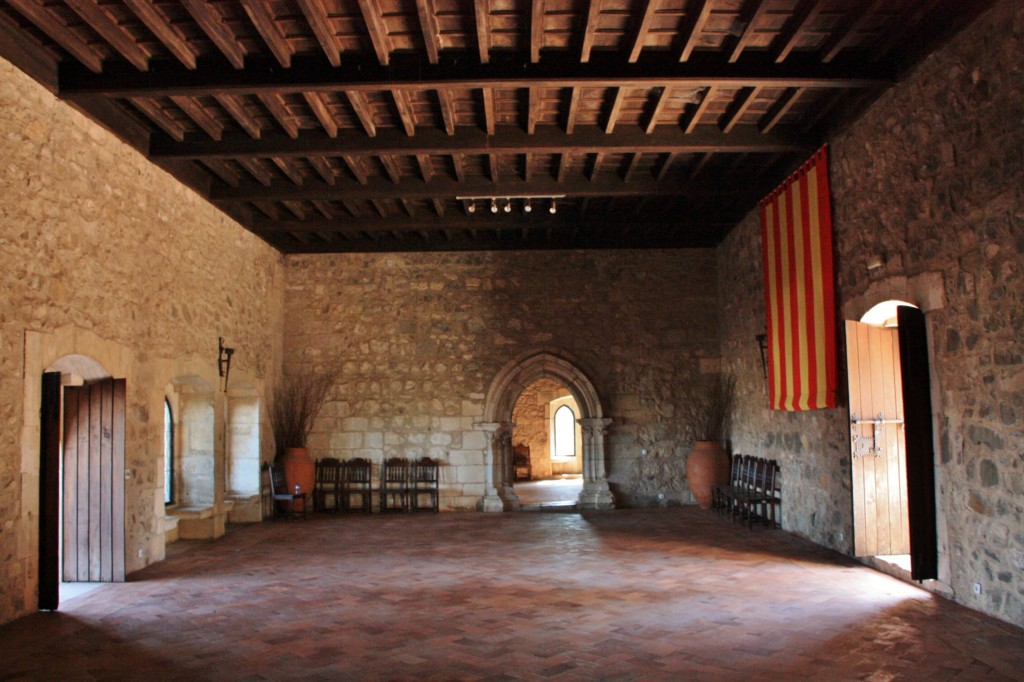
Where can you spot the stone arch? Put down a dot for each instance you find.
(505, 389)
(193, 402)
(242, 447)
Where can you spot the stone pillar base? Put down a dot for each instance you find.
(509, 497)
(595, 495)
(492, 503)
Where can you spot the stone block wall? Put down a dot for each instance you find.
(419, 338)
(105, 256)
(931, 181)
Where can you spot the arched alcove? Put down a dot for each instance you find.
(192, 404)
(242, 479)
(499, 402)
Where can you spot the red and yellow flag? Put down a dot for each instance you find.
(796, 239)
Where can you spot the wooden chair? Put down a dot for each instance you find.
(720, 494)
(328, 484)
(425, 481)
(522, 468)
(356, 480)
(280, 494)
(394, 485)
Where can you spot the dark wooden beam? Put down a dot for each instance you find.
(593, 15)
(574, 107)
(482, 12)
(666, 165)
(362, 110)
(160, 117)
(429, 28)
(613, 115)
(101, 22)
(391, 168)
(322, 113)
(744, 98)
(375, 27)
(643, 26)
(489, 118)
(790, 34)
(752, 18)
(426, 166)
(855, 18)
(634, 163)
(262, 18)
(532, 110)
(536, 30)
(67, 39)
(663, 99)
(286, 167)
(694, 26)
(164, 31)
(508, 139)
(324, 168)
(415, 188)
(202, 118)
(459, 167)
(311, 74)
(404, 111)
(698, 111)
(319, 21)
(236, 108)
(277, 107)
(357, 167)
(595, 167)
(216, 30)
(444, 99)
(781, 107)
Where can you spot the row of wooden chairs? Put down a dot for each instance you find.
(754, 491)
(404, 485)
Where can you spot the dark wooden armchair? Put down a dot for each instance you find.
(394, 485)
(328, 485)
(425, 482)
(522, 469)
(286, 503)
(356, 482)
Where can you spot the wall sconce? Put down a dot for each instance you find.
(875, 263)
(762, 344)
(224, 360)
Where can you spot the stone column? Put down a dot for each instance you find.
(503, 467)
(491, 502)
(595, 494)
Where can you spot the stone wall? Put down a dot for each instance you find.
(531, 423)
(931, 181)
(420, 337)
(104, 255)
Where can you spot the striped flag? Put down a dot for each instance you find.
(796, 240)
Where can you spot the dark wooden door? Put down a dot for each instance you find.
(94, 458)
(917, 415)
(49, 493)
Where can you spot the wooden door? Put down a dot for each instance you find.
(924, 547)
(49, 493)
(94, 458)
(880, 511)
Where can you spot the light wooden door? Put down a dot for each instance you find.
(880, 511)
(94, 458)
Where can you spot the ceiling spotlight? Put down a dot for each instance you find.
(526, 207)
(508, 205)
(471, 208)
(554, 209)
(494, 206)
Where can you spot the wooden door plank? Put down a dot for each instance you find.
(81, 535)
(117, 481)
(868, 461)
(104, 508)
(901, 444)
(856, 465)
(880, 469)
(893, 454)
(70, 486)
(92, 540)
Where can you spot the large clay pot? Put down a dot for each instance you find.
(706, 467)
(299, 470)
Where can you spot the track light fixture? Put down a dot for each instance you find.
(503, 204)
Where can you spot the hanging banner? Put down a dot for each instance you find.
(799, 285)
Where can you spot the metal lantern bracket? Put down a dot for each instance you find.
(224, 360)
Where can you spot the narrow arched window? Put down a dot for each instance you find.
(565, 432)
(168, 454)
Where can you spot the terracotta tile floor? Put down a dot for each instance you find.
(673, 594)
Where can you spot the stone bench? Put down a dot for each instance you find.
(202, 522)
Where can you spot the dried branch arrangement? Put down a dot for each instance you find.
(296, 405)
(706, 414)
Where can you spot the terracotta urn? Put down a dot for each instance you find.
(299, 470)
(706, 467)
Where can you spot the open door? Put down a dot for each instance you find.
(94, 458)
(879, 466)
(49, 494)
(917, 406)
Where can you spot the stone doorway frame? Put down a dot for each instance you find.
(505, 389)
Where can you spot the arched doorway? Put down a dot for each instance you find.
(891, 440)
(81, 465)
(505, 389)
